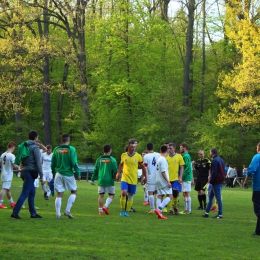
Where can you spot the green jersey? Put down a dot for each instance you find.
(187, 173)
(64, 161)
(106, 169)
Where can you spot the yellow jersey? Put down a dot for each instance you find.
(174, 163)
(130, 167)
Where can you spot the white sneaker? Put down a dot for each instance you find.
(68, 214)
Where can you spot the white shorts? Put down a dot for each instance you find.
(186, 186)
(164, 191)
(106, 189)
(47, 176)
(151, 187)
(62, 183)
(6, 185)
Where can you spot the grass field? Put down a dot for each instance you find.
(141, 236)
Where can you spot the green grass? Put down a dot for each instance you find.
(141, 236)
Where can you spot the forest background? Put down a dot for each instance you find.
(105, 71)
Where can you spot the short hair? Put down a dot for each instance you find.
(144, 152)
(32, 134)
(149, 146)
(65, 138)
(163, 149)
(244, 166)
(132, 141)
(48, 146)
(107, 148)
(11, 144)
(185, 145)
(172, 144)
(214, 151)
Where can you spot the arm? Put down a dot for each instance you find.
(165, 177)
(214, 171)
(95, 172)
(40, 144)
(74, 160)
(144, 173)
(120, 168)
(37, 157)
(181, 173)
(53, 164)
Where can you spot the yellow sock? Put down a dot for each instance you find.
(122, 202)
(129, 205)
(169, 205)
(175, 202)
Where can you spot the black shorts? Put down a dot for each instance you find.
(200, 183)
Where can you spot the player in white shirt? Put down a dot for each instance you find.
(46, 170)
(163, 185)
(150, 161)
(7, 166)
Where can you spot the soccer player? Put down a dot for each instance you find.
(7, 166)
(176, 165)
(150, 160)
(163, 184)
(46, 170)
(146, 198)
(202, 166)
(106, 169)
(187, 178)
(64, 162)
(129, 164)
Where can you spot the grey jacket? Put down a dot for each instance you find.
(33, 161)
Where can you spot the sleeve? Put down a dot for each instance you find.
(114, 167)
(74, 161)
(214, 170)
(254, 165)
(140, 160)
(181, 161)
(95, 171)
(37, 156)
(163, 164)
(186, 162)
(12, 159)
(122, 159)
(53, 163)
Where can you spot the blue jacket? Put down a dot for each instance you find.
(254, 171)
(217, 170)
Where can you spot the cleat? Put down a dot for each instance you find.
(157, 212)
(205, 215)
(68, 214)
(170, 212)
(12, 204)
(150, 212)
(13, 216)
(126, 214)
(36, 207)
(185, 212)
(101, 213)
(218, 216)
(162, 217)
(45, 194)
(146, 203)
(122, 213)
(176, 211)
(199, 208)
(105, 210)
(2, 206)
(132, 210)
(36, 216)
(58, 216)
(255, 234)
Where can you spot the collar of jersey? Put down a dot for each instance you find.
(131, 155)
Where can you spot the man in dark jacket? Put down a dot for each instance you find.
(30, 165)
(216, 179)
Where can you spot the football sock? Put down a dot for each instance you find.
(175, 202)
(100, 209)
(44, 188)
(48, 193)
(11, 201)
(58, 206)
(158, 202)
(70, 202)
(108, 201)
(185, 203)
(122, 202)
(169, 205)
(130, 202)
(189, 204)
(204, 199)
(151, 200)
(164, 202)
(146, 196)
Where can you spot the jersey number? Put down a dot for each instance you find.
(154, 161)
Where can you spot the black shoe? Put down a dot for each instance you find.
(132, 210)
(205, 215)
(255, 234)
(46, 198)
(199, 208)
(45, 194)
(15, 216)
(218, 216)
(36, 216)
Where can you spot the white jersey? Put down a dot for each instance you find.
(150, 161)
(161, 166)
(46, 162)
(7, 159)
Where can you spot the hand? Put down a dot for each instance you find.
(42, 182)
(169, 185)
(92, 182)
(180, 180)
(143, 180)
(117, 176)
(244, 184)
(192, 182)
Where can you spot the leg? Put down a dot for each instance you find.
(58, 202)
(217, 191)
(100, 200)
(256, 203)
(31, 197)
(2, 195)
(211, 197)
(71, 200)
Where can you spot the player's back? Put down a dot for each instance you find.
(150, 161)
(6, 168)
(161, 166)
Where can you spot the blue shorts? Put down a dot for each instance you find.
(131, 188)
(176, 186)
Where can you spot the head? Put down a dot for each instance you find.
(144, 153)
(49, 149)
(163, 150)
(107, 149)
(184, 147)
(134, 141)
(11, 146)
(244, 166)
(171, 148)
(213, 152)
(131, 146)
(149, 146)
(33, 135)
(201, 154)
(65, 138)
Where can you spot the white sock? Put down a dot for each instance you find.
(158, 202)
(1, 202)
(108, 201)
(189, 204)
(146, 196)
(165, 202)
(11, 201)
(70, 202)
(58, 206)
(44, 188)
(100, 209)
(48, 193)
(151, 200)
(186, 204)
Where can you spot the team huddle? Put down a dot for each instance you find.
(164, 176)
